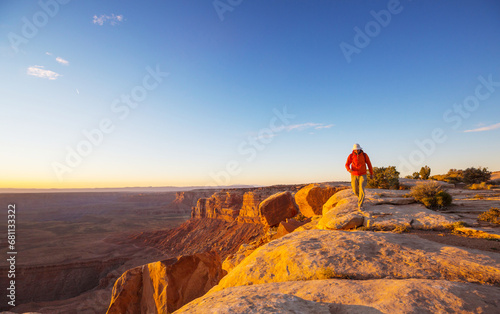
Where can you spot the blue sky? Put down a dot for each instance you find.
(243, 92)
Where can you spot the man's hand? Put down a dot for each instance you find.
(371, 176)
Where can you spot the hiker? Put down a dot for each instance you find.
(356, 165)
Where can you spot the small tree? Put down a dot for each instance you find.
(476, 175)
(415, 176)
(384, 178)
(425, 172)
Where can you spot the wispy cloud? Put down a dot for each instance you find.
(324, 126)
(58, 59)
(39, 71)
(62, 61)
(294, 127)
(111, 19)
(485, 128)
(305, 126)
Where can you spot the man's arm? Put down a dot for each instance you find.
(368, 162)
(348, 163)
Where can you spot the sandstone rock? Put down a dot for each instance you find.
(127, 292)
(416, 216)
(361, 255)
(341, 222)
(186, 200)
(351, 296)
(285, 227)
(234, 259)
(165, 286)
(277, 208)
(382, 210)
(200, 210)
(335, 198)
(310, 199)
(250, 208)
(344, 215)
(223, 205)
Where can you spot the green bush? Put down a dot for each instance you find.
(384, 178)
(493, 215)
(431, 194)
(476, 175)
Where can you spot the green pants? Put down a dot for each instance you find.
(358, 184)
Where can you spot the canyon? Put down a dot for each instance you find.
(286, 247)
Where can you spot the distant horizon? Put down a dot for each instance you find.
(173, 188)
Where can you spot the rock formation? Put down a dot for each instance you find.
(348, 296)
(311, 198)
(382, 210)
(285, 227)
(250, 208)
(315, 266)
(276, 208)
(316, 254)
(247, 205)
(163, 287)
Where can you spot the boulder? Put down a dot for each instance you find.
(314, 254)
(310, 199)
(344, 215)
(335, 198)
(165, 286)
(351, 296)
(285, 227)
(277, 208)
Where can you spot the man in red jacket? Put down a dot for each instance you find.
(356, 165)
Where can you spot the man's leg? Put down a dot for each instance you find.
(355, 184)
(362, 185)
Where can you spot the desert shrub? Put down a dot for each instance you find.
(404, 187)
(457, 225)
(384, 178)
(300, 217)
(492, 215)
(480, 186)
(425, 173)
(479, 196)
(400, 229)
(431, 194)
(476, 175)
(453, 176)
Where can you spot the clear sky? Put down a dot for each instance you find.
(157, 93)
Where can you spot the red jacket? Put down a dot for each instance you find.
(356, 163)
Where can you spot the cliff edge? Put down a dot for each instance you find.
(333, 258)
